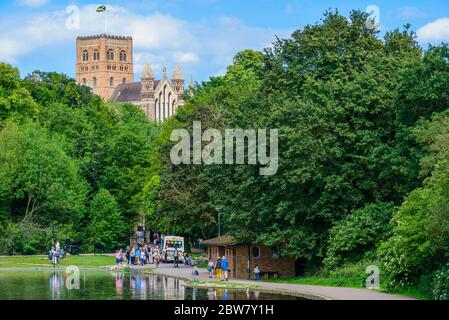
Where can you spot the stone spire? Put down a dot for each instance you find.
(178, 74)
(164, 72)
(147, 72)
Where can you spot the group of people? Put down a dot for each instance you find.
(219, 268)
(137, 255)
(56, 253)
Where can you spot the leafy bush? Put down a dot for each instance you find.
(358, 234)
(440, 285)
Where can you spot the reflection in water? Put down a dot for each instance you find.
(115, 285)
(56, 283)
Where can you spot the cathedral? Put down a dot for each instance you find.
(105, 63)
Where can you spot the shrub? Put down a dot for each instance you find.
(440, 284)
(356, 236)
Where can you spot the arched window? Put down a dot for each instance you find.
(85, 55)
(84, 81)
(169, 113)
(94, 81)
(124, 80)
(255, 251)
(123, 55)
(111, 82)
(96, 55)
(110, 54)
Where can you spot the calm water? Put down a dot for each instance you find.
(114, 285)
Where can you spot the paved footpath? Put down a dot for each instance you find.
(307, 291)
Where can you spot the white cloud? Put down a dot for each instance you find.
(435, 31)
(33, 3)
(159, 39)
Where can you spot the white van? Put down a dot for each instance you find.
(169, 243)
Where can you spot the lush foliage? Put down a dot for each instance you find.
(420, 241)
(357, 235)
(71, 165)
(363, 170)
(354, 141)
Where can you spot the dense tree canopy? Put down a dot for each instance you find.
(363, 156)
(69, 161)
(348, 106)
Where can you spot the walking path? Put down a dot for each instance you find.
(307, 291)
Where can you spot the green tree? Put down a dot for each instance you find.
(16, 103)
(39, 180)
(420, 241)
(107, 226)
(357, 235)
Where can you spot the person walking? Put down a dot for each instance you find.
(224, 266)
(128, 255)
(54, 256)
(218, 270)
(117, 259)
(157, 257)
(142, 258)
(133, 256)
(138, 252)
(176, 258)
(257, 272)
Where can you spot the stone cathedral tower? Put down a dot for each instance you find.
(103, 62)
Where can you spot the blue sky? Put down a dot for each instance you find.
(201, 35)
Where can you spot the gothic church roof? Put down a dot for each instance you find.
(129, 92)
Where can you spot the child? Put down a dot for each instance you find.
(210, 268)
(118, 256)
(257, 272)
(195, 272)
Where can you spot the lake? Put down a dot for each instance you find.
(104, 285)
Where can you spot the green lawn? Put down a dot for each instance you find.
(43, 261)
(319, 281)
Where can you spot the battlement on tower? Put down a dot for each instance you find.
(103, 35)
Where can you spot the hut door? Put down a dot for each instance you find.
(230, 255)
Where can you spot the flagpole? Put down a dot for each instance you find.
(105, 22)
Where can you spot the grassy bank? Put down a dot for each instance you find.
(43, 261)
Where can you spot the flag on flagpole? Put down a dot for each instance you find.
(101, 9)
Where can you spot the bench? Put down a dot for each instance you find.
(269, 274)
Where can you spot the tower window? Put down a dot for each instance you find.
(111, 82)
(96, 55)
(84, 81)
(94, 81)
(123, 55)
(85, 56)
(110, 54)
